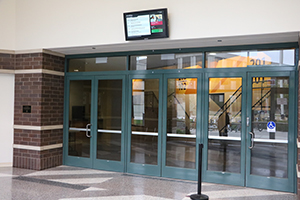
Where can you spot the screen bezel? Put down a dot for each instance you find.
(165, 26)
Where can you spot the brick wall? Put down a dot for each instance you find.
(44, 92)
(28, 91)
(7, 61)
(35, 160)
(52, 99)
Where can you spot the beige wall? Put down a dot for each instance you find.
(6, 118)
(7, 24)
(68, 23)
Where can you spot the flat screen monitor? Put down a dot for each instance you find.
(148, 24)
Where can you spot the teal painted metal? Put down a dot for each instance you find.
(175, 172)
(188, 50)
(202, 111)
(93, 121)
(108, 164)
(127, 120)
(200, 134)
(93, 162)
(216, 176)
(72, 160)
(273, 183)
(296, 75)
(147, 169)
(245, 178)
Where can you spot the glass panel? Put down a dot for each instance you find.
(181, 122)
(250, 58)
(270, 98)
(109, 119)
(97, 64)
(224, 135)
(79, 117)
(166, 61)
(144, 122)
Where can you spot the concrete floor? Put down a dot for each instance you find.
(73, 183)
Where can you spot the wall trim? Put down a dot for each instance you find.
(7, 71)
(32, 71)
(39, 71)
(38, 148)
(9, 164)
(29, 51)
(38, 128)
(3, 51)
(47, 51)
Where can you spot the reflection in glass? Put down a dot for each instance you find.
(79, 117)
(144, 122)
(250, 58)
(166, 61)
(97, 64)
(224, 135)
(109, 119)
(270, 97)
(181, 122)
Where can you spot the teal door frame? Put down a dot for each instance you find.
(244, 178)
(109, 164)
(137, 168)
(74, 160)
(274, 183)
(161, 169)
(176, 172)
(218, 176)
(92, 161)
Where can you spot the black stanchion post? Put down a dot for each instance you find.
(199, 195)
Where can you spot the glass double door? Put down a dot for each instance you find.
(95, 129)
(250, 130)
(163, 125)
(143, 124)
(151, 124)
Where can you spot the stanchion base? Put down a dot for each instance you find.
(199, 196)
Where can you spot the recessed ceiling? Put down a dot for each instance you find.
(187, 43)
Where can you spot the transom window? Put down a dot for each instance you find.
(192, 60)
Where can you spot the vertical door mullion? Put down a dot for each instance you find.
(204, 122)
(66, 119)
(160, 125)
(200, 136)
(94, 109)
(164, 124)
(128, 122)
(125, 121)
(292, 126)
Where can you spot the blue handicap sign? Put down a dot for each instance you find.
(271, 126)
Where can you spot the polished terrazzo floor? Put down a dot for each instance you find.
(72, 183)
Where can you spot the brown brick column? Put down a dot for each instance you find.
(7, 61)
(38, 135)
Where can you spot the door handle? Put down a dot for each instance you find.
(252, 140)
(87, 130)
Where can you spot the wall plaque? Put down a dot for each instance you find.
(26, 109)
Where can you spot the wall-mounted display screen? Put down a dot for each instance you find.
(147, 24)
